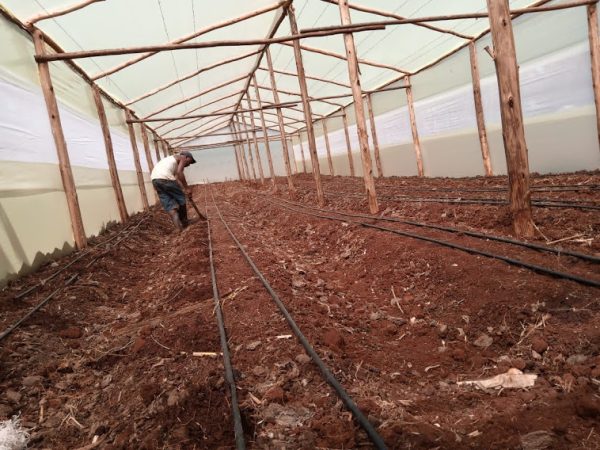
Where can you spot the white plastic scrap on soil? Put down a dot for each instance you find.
(513, 378)
(12, 435)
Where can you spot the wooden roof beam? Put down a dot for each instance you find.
(59, 12)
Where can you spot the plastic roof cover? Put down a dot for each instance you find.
(127, 23)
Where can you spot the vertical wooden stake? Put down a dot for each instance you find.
(359, 108)
(310, 132)
(265, 132)
(374, 134)
(483, 140)
(326, 137)
(284, 143)
(592, 14)
(513, 130)
(156, 149)
(249, 146)
(292, 154)
(64, 163)
(302, 152)
(110, 155)
(413, 127)
(146, 142)
(348, 145)
(237, 155)
(243, 158)
(136, 160)
(256, 149)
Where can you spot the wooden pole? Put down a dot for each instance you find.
(146, 142)
(136, 160)
(110, 155)
(284, 143)
(323, 80)
(249, 146)
(64, 163)
(49, 15)
(592, 15)
(374, 134)
(513, 131)
(256, 148)
(302, 152)
(164, 149)
(483, 140)
(359, 109)
(293, 154)
(348, 145)
(310, 132)
(413, 127)
(326, 137)
(244, 160)
(264, 130)
(156, 149)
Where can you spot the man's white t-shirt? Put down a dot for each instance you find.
(165, 169)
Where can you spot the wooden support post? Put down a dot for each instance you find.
(310, 132)
(293, 155)
(136, 160)
(374, 134)
(513, 131)
(592, 15)
(164, 148)
(156, 149)
(237, 155)
(243, 158)
(146, 142)
(64, 163)
(359, 108)
(256, 149)
(284, 143)
(348, 145)
(413, 127)
(110, 155)
(264, 130)
(326, 137)
(483, 140)
(249, 147)
(302, 152)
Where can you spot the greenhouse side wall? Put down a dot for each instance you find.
(34, 217)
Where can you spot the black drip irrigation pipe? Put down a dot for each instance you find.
(70, 281)
(240, 443)
(376, 439)
(512, 261)
(23, 294)
(546, 203)
(557, 251)
(548, 188)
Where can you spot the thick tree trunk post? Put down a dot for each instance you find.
(302, 152)
(136, 160)
(146, 142)
(110, 155)
(413, 127)
(374, 134)
(592, 14)
(348, 145)
(284, 144)
(256, 149)
(359, 108)
(249, 147)
(513, 130)
(64, 163)
(326, 137)
(483, 140)
(310, 131)
(265, 133)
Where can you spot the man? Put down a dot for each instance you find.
(165, 175)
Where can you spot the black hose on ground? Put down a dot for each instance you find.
(240, 443)
(514, 262)
(341, 392)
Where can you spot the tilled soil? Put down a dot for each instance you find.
(400, 322)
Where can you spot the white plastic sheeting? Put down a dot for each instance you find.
(551, 84)
(25, 133)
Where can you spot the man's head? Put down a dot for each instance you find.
(189, 159)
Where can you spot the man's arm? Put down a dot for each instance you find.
(181, 177)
